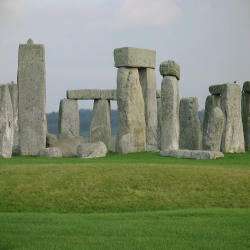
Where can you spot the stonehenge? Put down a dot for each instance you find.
(246, 114)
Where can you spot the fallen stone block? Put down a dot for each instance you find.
(246, 86)
(50, 153)
(134, 57)
(108, 94)
(126, 144)
(91, 150)
(50, 140)
(84, 94)
(170, 68)
(246, 118)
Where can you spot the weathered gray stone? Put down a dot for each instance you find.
(100, 127)
(131, 107)
(15, 147)
(50, 153)
(192, 154)
(212, 137)
(232, 140)
(50, 140)
(212, 101)
(108, 94)
(91, 150)
(246, 86)
(158, 93)
(148, 85)
(84, 94)
(126, 144)
(159, 106)
(215, 89)
(68, 123)
(246, 118)
(170, 68)
(134, 57)
(190, 128)
(6, 122)
(169, 113)
(68, 147)
(32, 98)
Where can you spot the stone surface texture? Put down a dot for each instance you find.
(246, 118)
(246, 86)
(84, 94)
(50, 140)
(134, 57)
(126, 144)
(100, 127)
(50, 153)
(131, 107)
(212, 101)
(108, 94)
(190, 130)
(91, 150)
(158, 93)
(212, 137)
(215, 89)
(32, 98)
(6, 122)
(159, 106)
(68, 147)
(232, 140)
(169, 120)
(68, 122)
(192, 154)
(170, 68)
(148, 84)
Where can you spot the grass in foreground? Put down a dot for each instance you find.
(123, 183)
(188, 229)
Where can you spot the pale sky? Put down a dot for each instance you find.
(209, 39)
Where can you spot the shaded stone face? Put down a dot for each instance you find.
(215, 89)
(84, 94)
(68, 123)
(246, 118)
(134, 57)
(32, 98)
(169, 118)
(212, 136)
(50, 140)
(170, 68)
(131, 107)
(6, 122)
(246, 86)
(100, 127)
(189, 124)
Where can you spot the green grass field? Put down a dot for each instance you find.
(134, 201)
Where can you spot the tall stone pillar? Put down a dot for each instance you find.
(159, 106)
(32, 98)
(6, 122)
(190, 128)
(170, 126)
(246, 114)
(100, 127)
(68, 122)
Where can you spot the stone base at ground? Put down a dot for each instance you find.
(192, 154)
(126, 144)
(50, 140)
(91, 150)
(50, 153)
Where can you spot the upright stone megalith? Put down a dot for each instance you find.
(32, 98)
(159, 106)
(6, 122)
(246, 114)
(68, 122)
(131, 107)
(169, 119)
(100, 127)
(190, 128)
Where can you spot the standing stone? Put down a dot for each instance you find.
(212, 136)
(212, 101)
(246, 118)
(6, 122)
(126, 144)
(13, 89)
(68, 123)
(232, 137)
(32, 98)
(148, 84)
(131, 107)
(189, 124)
(159, 106)
(100, 127)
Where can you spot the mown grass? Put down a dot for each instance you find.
(123, 183)
(183, 229)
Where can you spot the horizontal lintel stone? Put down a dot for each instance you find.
(134, 57)
(84, 94)
(215, 89)
(108, 94)
(246, 86)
